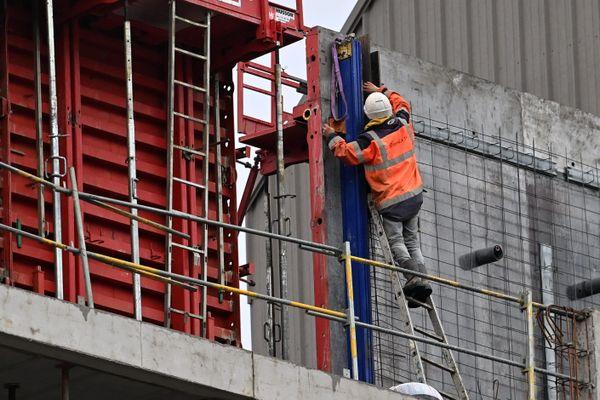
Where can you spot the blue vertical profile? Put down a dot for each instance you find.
(354, 207)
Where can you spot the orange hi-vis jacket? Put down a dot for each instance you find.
(387, 152)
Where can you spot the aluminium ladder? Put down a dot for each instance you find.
(188, 151)
(417, 359)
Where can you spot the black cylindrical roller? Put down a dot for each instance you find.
(481, 257)
(584, 289)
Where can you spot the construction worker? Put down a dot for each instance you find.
(386, 149)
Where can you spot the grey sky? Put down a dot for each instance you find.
(327, 13)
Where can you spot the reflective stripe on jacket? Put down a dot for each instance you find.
(387, 152)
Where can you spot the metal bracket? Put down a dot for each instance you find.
(4, 107)
(62, 162)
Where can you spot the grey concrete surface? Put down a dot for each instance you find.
(473, 201)
(122, 347)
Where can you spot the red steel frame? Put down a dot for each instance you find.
(303, 143)
(92, 122)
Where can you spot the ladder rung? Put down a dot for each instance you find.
(424, 305)
(185, 116)
(181, 312)
(189, 85)
(437, 364)
(429, 334)
(189, 150)
(189, 21)
(185, 182)
(190, 53)
(448, 396)
(188, 248)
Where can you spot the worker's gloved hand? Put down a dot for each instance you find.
(328, 130)
(370, 87)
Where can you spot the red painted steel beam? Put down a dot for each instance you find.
(5, 138)
(317, 197)
(65, 95)
(245, 201)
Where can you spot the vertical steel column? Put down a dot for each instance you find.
(351, 318)
(530, 361)
(206, 145)
(170, 131)
(269, 327)
(219, 187)
(39, 134)
(283, 278)
(131, 166)
(81, 239)
(547, 272)
(55, 150)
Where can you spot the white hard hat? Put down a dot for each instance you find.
(378, 105)
(418, 390)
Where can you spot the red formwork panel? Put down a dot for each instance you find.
(92, 124)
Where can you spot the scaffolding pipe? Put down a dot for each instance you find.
(325, 249)
(116, 262)
(176, 279)
(530, 364)
(173, 278)
(219, 186)
(39, 133)
(437, 343)
(81, 239)
(55, 149)
(206, 170)
(351, 318)
(142, 220)
(281, 193)
(269, 279)
(170, 133)
(131, 165)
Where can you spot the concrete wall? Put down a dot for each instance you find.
(472, 202)
(142, 352)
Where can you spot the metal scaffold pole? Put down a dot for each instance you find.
(219, 186)
(55, 150)
(81, 239)
(39, 133)
(530, 361)
(269, 326)
(206, 170)
(170, 132)
(351, 318)
(281, 194)
(131, 166)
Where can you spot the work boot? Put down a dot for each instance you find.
(415, 288)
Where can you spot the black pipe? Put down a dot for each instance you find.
(583, 289)
(481, 257)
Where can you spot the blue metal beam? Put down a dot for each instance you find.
(355, 209)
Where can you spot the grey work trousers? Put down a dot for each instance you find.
(403, 238)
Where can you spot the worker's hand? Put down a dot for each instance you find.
(328, 130)
(370, 87)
